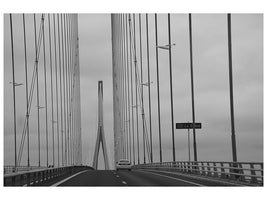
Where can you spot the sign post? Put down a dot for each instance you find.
(188, 126)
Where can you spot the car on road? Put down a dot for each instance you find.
(123, 164)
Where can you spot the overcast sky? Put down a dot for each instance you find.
(212, 106)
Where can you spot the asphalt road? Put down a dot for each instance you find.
(138, 178)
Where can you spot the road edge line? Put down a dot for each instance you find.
(64, 180)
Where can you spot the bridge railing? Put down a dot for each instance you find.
(40, 176)
(249, 172)
(9, 169)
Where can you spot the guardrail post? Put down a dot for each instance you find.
(231, 170)
(203, 172)
(183, 167)
(223, 175)
(241, 172)
(189, 166)
(253, 173)
(208, 168)
(215, 170)
(196, 168)
(261, 165)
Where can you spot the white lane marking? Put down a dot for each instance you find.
(198, 177)
(177, 179)
(117, 176)
(124, 182)
(58, 183)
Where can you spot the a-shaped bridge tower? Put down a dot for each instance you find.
(100, 130)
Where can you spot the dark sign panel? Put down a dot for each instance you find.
(187, 125)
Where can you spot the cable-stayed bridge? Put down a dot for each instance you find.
(47, 143)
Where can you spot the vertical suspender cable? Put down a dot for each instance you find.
(231, 89)
(125, 87)
(69, 102)
(131, 73)
(27, 95)
(37, 90)
(192, 88)
(71, 86)
(60, 82)
(64, 94)
(46, 126)
(57, 121)
(142, 90)
(66, 83)
(158, 92)
(119, 149)
(120, 142)
(72, 91)
(149, 94)
(128, 91)
(170, 62)
(79, 99)
(52, 99)
(14, 91)
(136, 94)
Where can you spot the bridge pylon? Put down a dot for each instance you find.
(100, 131)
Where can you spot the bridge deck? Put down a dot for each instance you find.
(139, 178)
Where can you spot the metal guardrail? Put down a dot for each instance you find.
(249, 172)
(40, 176)
(9, 169)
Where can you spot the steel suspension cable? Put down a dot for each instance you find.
(51, 84)
(136, 93)
(142, 90)
(57, 121)
(30, 97)
(158, 91)
(46, 125)
(64, 89)
(60, 83)
(37, 90)
(149, 93)
(125, 86)
(14, 91)
(26, 92)
(192, 88)
(171, 90)
(131, 74)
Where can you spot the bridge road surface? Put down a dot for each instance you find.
(137, 178)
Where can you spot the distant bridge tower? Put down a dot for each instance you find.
(100, 131)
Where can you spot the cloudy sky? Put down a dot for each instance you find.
(212, 106)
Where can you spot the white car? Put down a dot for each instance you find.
(123, 164)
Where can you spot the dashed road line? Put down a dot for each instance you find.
(124, 182)
(199, 178)
(177, 179)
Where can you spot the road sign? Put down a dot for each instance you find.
(187, 125)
